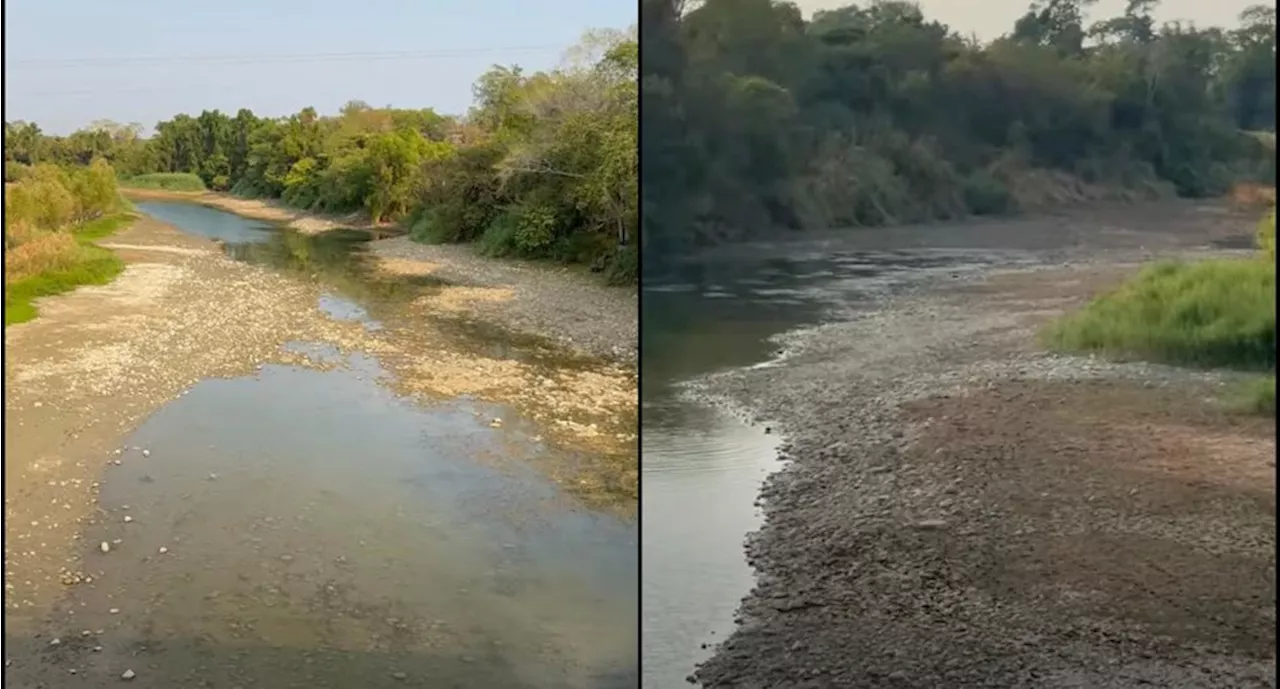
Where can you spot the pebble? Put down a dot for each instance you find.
(163, 550)
(127, 519)
(114, 611)
(105, 547)
(399, 676)
(128, 675)
(146, 453)
(55, 641)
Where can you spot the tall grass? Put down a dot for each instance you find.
(1215, 314)
(52, 217)
(1218, 313)
(165, 181)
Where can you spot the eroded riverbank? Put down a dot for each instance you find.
(99, 361)
(962, 509)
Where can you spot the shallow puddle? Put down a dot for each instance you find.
(305, 528)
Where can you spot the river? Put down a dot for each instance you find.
(311, 527)
(702, 465)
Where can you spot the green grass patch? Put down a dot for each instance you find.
(1256, 396)
(96, 266)
(1218, 313)
(97, 230)
(165, 181)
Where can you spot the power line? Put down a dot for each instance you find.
(203, 88)
(373, 56)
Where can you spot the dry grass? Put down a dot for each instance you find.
(42, 252)
(1251, 196)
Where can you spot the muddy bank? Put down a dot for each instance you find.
(960, 508)
(565, 305)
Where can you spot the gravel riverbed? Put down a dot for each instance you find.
(958, 508)
(564, 305)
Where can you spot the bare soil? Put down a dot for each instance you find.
(962, 509)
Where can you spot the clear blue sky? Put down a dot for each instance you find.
(80, 33)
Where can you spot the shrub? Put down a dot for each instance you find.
(624, 269)
(985, 195)
(51, 217)
(499, 238)
(15, 171)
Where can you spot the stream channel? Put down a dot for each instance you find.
(310, 528)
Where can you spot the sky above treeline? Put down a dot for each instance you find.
(990, 19)
(71, 62)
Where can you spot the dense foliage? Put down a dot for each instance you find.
(756, 118)
(544, 165)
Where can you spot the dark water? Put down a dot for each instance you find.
(299, 528)
(702, 468)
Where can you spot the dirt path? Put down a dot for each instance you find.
(961, 509)
(99, 360)
(564, 305)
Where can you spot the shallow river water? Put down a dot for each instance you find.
(307, 528)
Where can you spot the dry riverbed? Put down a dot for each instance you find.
(564, 305)
(962, 509)
(99, 360)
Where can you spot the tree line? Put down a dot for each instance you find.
(757, 119)
(544, 165)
